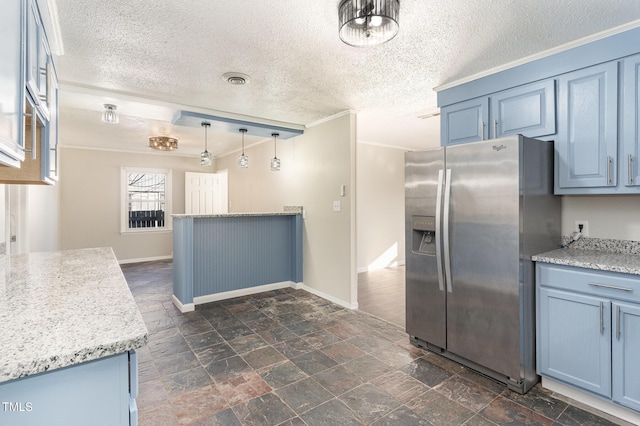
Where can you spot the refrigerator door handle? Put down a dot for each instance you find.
(445, 231)
(438, 230)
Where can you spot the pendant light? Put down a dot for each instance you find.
(275, 161)
(205, 156)
(109, 115)
(243, 160)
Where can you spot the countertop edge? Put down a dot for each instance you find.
(180, 216)
(592, 259)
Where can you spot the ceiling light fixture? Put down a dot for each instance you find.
(365, 23)
(205, 156)
(236, 78)
(243, 160)
(275, 161)
(163, 143)
(109, 115)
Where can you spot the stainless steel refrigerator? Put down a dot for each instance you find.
(474, 216)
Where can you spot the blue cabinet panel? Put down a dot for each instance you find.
(92, 393)
(465, 122)
(586, 145)
(626, 355)
(529, 110)
(631, 122)
(575, 340)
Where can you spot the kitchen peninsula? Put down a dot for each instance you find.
(221, 256)
(67, 348)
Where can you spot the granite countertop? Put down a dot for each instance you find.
(236, 214)
(64, 308)
(592, 253)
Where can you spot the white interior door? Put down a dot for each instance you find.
(206, 193)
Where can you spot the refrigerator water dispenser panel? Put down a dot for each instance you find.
(424, 234)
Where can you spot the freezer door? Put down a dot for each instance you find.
(425, 294)
(483, 323)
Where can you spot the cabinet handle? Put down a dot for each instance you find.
(630, 169)
(612, 287)
(618, 322)
(483, 127)
(601, 318)
(495, 128)
(608, 170)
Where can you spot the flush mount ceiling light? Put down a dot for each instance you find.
(236, 78)
(163, 143)
(275, 161)
(365, 23)
(109, 115)
(205, 156)
(243, 160)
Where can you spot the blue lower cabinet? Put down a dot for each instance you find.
(626, 355)
(575, 340)
(588, 331)
(92, 393)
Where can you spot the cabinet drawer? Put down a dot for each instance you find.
(612, 285)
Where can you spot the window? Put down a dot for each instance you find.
(146, 200)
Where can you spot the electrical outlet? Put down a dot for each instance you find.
(585, 227)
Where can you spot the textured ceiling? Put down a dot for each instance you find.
(174, 53)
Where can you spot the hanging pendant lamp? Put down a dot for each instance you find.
(243, 160)
(365, 23)
(275, 161)
(205, 156)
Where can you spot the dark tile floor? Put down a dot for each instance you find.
(288, 357)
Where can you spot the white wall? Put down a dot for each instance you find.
(314, 166)
(380, 201)
(43, 214)
(90, 201)
(614, 217)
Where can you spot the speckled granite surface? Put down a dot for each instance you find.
(236, 214)
(595, 253)
(63, 308)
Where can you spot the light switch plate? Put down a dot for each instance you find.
(336, 206)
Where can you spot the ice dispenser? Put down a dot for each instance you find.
(424, 234)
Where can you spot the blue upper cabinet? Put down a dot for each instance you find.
(587, 142)
(528, 110)
(465, 122)
(12, 38)
(630, 175)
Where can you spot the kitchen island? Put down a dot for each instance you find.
(67, 348)
(221, 256)
(588, 324)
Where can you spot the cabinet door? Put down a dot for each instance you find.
(465, 122)
(11, 88)
(575, 340)
(626, 354)
(33, 45)
(587, 127)
(529, 110)
(631, 122)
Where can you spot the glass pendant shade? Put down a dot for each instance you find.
(275, 161)
(364, 23)
(243, 160)
(109, 115)
(163, 143)
(205, 156)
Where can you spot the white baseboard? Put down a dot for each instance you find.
(144, 259)
(189, 307)
(589, 401)
(327, 296)
(242, 292)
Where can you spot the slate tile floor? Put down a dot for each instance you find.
(288, 357)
